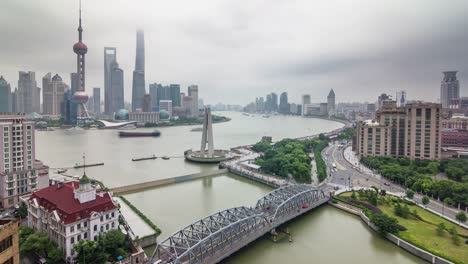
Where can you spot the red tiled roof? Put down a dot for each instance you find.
(70, 209)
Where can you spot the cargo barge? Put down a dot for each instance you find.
(155, 133)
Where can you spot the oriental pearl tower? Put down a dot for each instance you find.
(80, 97)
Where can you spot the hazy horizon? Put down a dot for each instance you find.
(235, 52)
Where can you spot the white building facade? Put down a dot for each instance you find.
(72, 211)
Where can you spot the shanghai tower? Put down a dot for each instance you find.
(138, 88)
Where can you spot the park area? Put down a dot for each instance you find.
(413, 224)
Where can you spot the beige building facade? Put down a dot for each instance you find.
(412, 131)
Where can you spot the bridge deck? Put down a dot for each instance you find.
(217, 236)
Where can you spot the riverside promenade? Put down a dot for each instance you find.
(161, 182)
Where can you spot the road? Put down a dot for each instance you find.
(350, 173)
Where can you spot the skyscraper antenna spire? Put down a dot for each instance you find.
(80, 29)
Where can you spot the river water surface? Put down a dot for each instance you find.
(325, 235)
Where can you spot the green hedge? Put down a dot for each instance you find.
(157, 231)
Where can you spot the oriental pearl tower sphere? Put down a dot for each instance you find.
(80, 97)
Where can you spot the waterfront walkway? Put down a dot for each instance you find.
(138, 227)
(241, 166)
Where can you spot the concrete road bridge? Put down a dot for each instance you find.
(219, 235)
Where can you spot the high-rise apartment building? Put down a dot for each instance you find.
(188, 105)
(174, 90)
(138, 88)
(97, 100)
(117, 100)
(284, 105)
(113, 82)
(147, 106)
(20, 171)
(305, 102)
(274, 102)
(53, 89)
(331, 109)
(449, 88)
(193, 92)
(5, 96)
(166, 105)
(412, 131)
(401, 98)
(28, 95)
(383, 98)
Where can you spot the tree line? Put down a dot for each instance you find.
(418, 176)
(289, 157)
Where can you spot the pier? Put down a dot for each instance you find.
(161, 182)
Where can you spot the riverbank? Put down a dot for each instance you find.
(199, 121)
(420, 232)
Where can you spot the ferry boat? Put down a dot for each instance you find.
(155, 133)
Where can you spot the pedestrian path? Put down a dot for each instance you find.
(139, 227)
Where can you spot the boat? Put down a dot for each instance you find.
(266, 116)
(197, 129)
(155, 133)
(146, 158)
(165, 158)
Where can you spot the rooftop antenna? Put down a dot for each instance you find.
(84, 164)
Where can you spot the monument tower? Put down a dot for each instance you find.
(80, 98)
(207, 135)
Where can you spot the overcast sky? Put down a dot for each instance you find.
(238, 50)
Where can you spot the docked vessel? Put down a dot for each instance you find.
(155, 133)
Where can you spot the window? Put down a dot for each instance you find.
(6, 243)
(72, 229)
(78, 226)
(107, 216)
(85, 224)
(107, 226)
(72, 240)
(113, 214)
(102, 218)
(95, 227)
(113, 224)
(9, 261)
(85, 235)
(79, 238)
(102, 228)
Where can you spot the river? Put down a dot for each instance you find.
(325, 235)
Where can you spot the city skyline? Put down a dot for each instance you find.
(188, 48)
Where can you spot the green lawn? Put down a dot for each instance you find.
(424, 233)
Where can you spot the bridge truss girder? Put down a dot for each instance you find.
(208, 236)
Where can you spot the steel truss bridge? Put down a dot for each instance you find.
(219, 235)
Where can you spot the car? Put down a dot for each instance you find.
(387, 184)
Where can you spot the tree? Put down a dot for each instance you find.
(114, 244)
(461, 217)
(455, 238)
(55, 255)
(90, 252)
(440, 229)
(23, 210)
(385, 223)
(373, 198)
(35, 243)
(39, 243)
(425, 200)
(24, 233)
(410, 193)
(353, 195)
